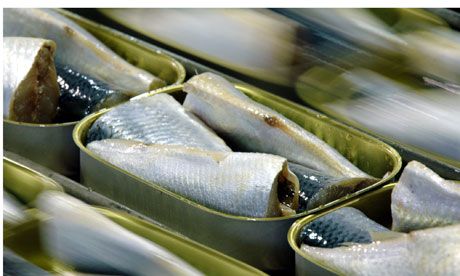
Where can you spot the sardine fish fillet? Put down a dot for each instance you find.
(254, 127)
(157, 119)
(30, 89)
(245, 184)
(90, 242)
(79, 49)
(433, 251)
(422, 199)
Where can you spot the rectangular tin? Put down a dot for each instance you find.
(260, 242)
(376, 205)
(26, 184)
(51, 145)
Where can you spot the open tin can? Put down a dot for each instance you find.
(51, 144)
(260, 242)
(24, 239)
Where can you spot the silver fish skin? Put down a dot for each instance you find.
(157, 119)
(79, 49)
(30, 90)
(245, 184)
(345, 225)
(90, 242)
(13, 211)
(432, 251)
(255, 127)
(422, 199)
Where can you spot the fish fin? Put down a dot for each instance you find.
(385, 235)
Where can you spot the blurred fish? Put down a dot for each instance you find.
(359, 26)
(257, 43)
(30, 90)
(86, 240)
(435, 52)
(317, 188)
(254, 127)
(14, 265)
(426, 119)
(245, 184)
(432, 251)
(82, 94)
(422, 199)
(343, 226)
(79, 49)
(13, 211)
(157, 119)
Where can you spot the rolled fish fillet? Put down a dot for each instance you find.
(254, 127)
(90, 242)
(432, 251)
(157, 119)
(79, 49)
(422, 199)
(30, 89)
(245, 184)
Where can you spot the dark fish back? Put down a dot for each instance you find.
(81, 94)
(345, 225)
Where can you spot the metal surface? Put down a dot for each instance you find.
(51, 144)
(260, 242)
(26, 183)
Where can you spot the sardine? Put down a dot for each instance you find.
(254, 127)
(432, 251)
(343, 226)
(434, 44)
(14, 265)
(422, 199)
(86, 240)
(13, 211)
(79, 49)
(30, 90)
(82, 95)
(245, 184)
(317, 188)
(157, 119)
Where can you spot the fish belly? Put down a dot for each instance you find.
(243, 184)
(255, 127)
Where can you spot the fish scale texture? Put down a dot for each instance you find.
(235, 183)
(157, 119)
(422, 199)
(432, 251)
(346, 225)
